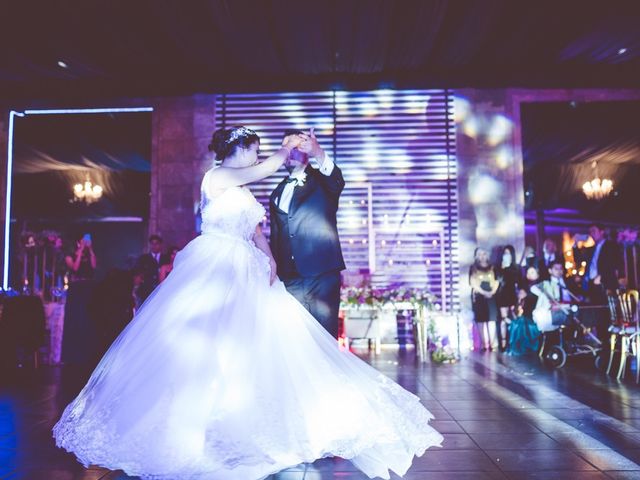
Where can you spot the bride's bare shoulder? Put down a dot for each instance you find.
(213, 184)
(217, 175)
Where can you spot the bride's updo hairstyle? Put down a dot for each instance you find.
(225, 141)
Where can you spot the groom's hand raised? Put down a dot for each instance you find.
(310, 145)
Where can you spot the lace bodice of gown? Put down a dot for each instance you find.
(235, 212)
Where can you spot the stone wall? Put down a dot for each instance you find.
(490, 190)
(182, 129)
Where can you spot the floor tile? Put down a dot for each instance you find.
(496, 426)
(473, 475)
(458, 441)
(538, 460)
(446, 426)
(454, 461)
(608, 460)
(514, 441)
(473, 414)
(547, 475)
(623, 475)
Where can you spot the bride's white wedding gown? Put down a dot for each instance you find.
(221, 375)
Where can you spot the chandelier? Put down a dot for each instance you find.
(597, 188)
(87, 192)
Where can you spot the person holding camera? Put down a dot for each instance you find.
(304, 233)
(82, 262)
(79, 335)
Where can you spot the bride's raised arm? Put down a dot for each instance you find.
(225, 177)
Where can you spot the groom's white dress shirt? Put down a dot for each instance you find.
(287, 192)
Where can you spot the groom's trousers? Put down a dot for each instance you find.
(320, 295)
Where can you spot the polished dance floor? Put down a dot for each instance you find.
(502, 418)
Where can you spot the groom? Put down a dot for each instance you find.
(304, 233)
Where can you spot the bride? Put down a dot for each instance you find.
(223, 375)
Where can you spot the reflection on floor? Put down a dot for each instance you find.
(502, 418)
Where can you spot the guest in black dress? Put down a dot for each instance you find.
(506, 296)
(79, 336)
(484, 285)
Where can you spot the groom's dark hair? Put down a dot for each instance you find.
(292, 131)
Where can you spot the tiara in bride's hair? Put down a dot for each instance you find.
(239, 132)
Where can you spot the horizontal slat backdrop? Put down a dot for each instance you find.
(397, 149)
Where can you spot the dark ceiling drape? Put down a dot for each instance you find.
(180, 47)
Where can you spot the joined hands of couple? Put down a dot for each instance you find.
(304, 142)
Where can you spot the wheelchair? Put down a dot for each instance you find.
(564, 335)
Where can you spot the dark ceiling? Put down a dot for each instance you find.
(166, 47)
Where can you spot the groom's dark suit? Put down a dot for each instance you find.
(305, 244)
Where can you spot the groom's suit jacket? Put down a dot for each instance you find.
(304, 241)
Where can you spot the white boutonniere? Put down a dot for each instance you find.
(300, 179)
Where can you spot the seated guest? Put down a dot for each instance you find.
(554, 298)
(524, 336)
(167, 267)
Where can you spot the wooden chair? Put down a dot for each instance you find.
(624, 329)
(632, 330)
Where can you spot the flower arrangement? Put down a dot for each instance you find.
(379, 297)
(627, 236)
(439, 347)
(443, 354)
